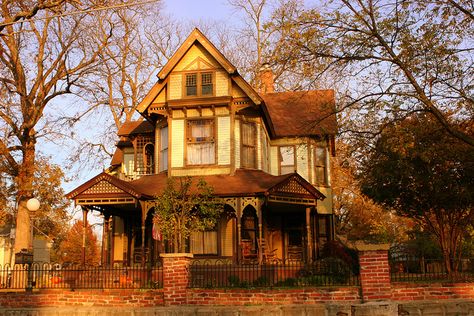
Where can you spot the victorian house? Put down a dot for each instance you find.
(266, 154)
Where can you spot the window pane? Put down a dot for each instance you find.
(201, 154)
(206, 84)
(320, 161)
(191, 84)
(204, 242)
(287, 159)
(248, 145)
(163, 149)
(201, 147)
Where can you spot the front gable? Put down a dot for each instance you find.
(197, 54)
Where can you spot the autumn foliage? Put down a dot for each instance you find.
(71, 248)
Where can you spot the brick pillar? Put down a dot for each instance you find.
(374, 272)
(175, 277)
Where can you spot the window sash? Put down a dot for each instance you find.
(287, 159)
(320, 165)
(206, 84)
(191, 84)
(249, 152)
(163, 149)
(200, 142)
(204, 242)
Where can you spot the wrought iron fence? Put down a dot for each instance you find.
(224, 274)
(57, 276)
(410, 268)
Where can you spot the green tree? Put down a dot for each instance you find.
(393, 58)
(358, 217)
(424, 173)
(183, 208)
(70, 249)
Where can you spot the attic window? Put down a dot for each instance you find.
(199, 84)
(191, 84)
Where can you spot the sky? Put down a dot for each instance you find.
(198, 9)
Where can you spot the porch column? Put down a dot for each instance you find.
(238, 212)
(84, 227)
(309, 244)
(260, 231)
(105, 240)
(143, 205)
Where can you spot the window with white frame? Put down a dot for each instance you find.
(163, 149)
(200, 142)
(287, 159)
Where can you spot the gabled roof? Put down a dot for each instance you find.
(197, 36)
(302, 113)
(105, 184)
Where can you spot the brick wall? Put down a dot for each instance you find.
(273, 296)
(175, 277)
(374, 272)
(83, 298)
(404, 291)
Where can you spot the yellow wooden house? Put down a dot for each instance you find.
(266, 154)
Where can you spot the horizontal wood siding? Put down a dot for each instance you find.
(222, 83)
(223, 140)
(204, 171)
(175, 90)
(227, 241)
(237, 92)
(274, 160)
(325, 206)
(177, 144)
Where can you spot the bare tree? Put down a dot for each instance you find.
(41, 59)
(400, 56)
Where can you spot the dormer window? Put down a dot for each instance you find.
(199, 84)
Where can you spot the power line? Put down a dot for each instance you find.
(123, 5)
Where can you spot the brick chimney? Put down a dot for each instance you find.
(266, 79)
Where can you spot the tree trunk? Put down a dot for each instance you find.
(25, 191)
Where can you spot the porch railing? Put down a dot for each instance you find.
(57, 276)
(413, 269)
(224, 274)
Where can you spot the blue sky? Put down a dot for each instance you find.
(195, 9)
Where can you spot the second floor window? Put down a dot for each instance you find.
(163, 149)
(287, 159)
(200, 142)
(199, 84)
(249, 144)
(320, 165)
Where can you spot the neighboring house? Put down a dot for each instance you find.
(266, 154)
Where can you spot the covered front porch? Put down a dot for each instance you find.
(278, 221)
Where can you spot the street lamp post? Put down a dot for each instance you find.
(32, 205)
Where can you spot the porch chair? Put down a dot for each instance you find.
(268, 252)
(247, 255)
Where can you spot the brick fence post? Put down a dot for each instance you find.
(175, 277)
(374, 272)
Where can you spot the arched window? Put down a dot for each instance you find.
(249, 229)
